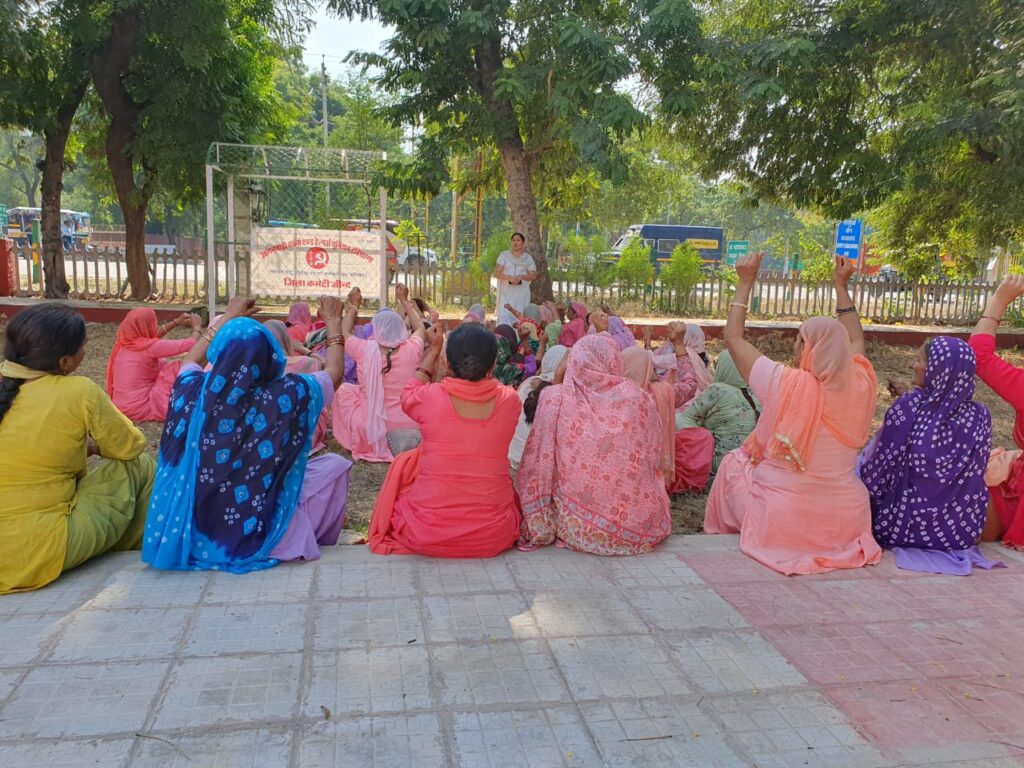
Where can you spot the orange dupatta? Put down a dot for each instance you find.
(832, 387)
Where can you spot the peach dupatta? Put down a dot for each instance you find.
(832, 387)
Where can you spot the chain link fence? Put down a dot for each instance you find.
(293, 223)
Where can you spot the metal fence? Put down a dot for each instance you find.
(775, 296)
(101, 273)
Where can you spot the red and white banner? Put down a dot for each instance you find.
(311, 262)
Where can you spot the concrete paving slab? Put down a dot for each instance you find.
(691, 656)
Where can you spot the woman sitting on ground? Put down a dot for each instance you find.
(139, 378)
(1005, 475)
(299, 321)
(685, 455)
(550, 324)
(591, 471)
(608, 322)
(576, 327)
(55, 514)
(452, 495)
(235, 489)
(515, 360)
(727, 409)
(791, 491)
(549, 365)
(299, 361)
(925, 468)
(681, 362)
(365, 413)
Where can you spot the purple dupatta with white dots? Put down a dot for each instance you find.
(926, 468)
(232, 456)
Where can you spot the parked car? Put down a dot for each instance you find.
(414, 255)
(888, 273)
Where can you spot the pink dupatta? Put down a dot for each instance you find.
(693, 339)
(638, 367)
(590, 469)
(576, 328)
(388, 331)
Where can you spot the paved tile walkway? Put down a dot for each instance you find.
(691, 656)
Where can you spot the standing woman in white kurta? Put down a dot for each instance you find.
(514, 273)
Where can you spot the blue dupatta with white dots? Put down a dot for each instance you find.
(232, 456)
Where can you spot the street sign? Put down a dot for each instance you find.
(849, 234)
(736, 250)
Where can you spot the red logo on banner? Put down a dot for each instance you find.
(317, 258)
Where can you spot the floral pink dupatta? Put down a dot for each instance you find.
(590, 470)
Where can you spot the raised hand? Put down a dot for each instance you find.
(195, 321)
(355, 297)
(401, 292)
(1011, 289)
(241, 306)
(898, 388)
(843, 271)
(675, 331)
(434, 338)
(184, 319)
(332, 309)
(748, 266)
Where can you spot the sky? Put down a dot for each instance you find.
(335, 38)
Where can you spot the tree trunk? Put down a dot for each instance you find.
(109, 70)
(135, 251)
(523, 206)
(54, 277)
(55, 142)
(521, 202)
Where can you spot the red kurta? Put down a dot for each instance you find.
(452, 496)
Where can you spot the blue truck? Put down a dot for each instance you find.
(663, 238)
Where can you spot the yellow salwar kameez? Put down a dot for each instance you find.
(53, 514)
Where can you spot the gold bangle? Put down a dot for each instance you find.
(738, 304)
(208, 334)
(996, 320)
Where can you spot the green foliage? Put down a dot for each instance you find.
(583, 264)
(918, 262)
(682, 272)
(817, 267)
(849, 105)
(536, 80)
(634, 268)
(500, 240)
(201, 71)
(409, 232)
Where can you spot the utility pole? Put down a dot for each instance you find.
(479, 234)
(455, 212)
(323, 114)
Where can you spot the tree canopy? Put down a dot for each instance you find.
(916, 109)
(536, 80)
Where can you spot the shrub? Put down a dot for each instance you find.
(500, 240)
(634, 268)
(682, 272)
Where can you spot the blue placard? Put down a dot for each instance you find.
(849, 234)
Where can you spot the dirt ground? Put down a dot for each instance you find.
(687, 509)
